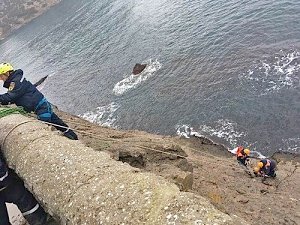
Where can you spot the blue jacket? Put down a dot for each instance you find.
(269, 166)
(21, 92)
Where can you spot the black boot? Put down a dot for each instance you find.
(71, 135)
(38, 217)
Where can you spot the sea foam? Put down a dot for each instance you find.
(223, 129)
(133, 81)
(276, 74)
(103, 115)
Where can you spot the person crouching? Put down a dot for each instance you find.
(265, 168)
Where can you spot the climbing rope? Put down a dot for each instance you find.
(6, 110)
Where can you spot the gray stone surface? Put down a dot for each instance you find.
(81, 186)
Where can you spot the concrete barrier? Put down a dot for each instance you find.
(78, 185)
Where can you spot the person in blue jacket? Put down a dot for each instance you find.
(266, 168)
(23, 93)
(12, 190)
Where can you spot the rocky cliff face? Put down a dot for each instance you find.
(15, 13)
(197, 166)
(78, 185)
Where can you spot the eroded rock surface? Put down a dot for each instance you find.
(79, 185)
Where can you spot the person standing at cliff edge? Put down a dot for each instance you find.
(23, 93)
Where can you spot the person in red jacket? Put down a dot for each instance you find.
(242, 155)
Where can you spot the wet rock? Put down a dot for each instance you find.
(138, 68)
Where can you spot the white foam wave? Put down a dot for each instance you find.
(133, 81)
(291, 145)
(186, 131)
(224, 129)
(282, 72)
(103, 115)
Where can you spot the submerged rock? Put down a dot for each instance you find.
(138, 68)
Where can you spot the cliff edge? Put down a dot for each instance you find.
(204, 168)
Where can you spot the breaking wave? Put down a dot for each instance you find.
(281, 72)
(103, 115)
(133, 81)
(223, 129)
(291, 145)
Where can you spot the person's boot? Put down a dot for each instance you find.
(51, 221)
(71, 135)
(39, 217)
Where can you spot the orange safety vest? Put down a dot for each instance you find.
(239, 151)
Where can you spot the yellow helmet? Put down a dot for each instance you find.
(260, 165)
(256, 169)
(5, 67)
(247, 151)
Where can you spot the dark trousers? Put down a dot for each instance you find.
(45, 113)
(242, 160)
(16, 193)
(4, 220)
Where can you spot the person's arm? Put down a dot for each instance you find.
(15, 90)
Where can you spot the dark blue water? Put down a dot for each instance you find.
(229, 69)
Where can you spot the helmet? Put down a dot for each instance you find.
(247, 151)
(5, 67)
(260, 165)
(256, 169)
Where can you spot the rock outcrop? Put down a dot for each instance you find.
(78, 185)
(138, 68)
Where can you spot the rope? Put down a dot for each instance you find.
(11, 130)
(151, 149)
(5, 111)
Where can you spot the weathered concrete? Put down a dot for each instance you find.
(81, 186)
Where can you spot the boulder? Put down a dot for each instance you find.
(138, 68)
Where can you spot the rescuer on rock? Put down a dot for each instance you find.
(23, 93)
(265, 168)
(242, 155)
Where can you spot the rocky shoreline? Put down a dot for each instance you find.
(205, 168)
(195, 165)
(16, 13)
(202, 167)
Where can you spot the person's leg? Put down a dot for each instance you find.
(17, 193)
(4, 219)
(272, 173)
(67, 132)
(46, 114)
